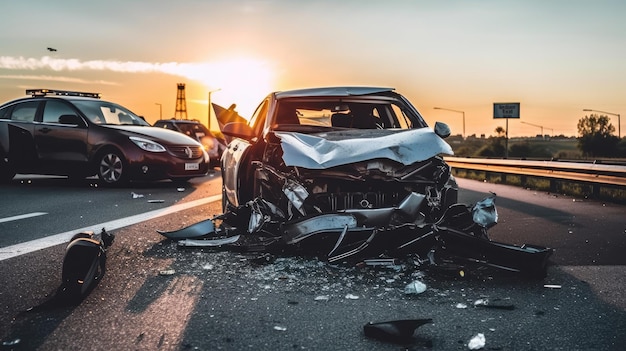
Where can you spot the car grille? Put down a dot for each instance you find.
(356, 200)
(188, 152)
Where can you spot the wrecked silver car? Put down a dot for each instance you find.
(348, 173)
(324, 150)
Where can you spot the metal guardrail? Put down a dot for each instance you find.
(594, 175)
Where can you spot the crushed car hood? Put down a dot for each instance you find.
(325, 150)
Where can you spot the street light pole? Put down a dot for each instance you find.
(463, 112)
(619, 132)
(209, 109)
(160, 110)
(535, 125)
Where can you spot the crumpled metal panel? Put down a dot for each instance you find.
(321, 152)
(300, 230)
(459, 236)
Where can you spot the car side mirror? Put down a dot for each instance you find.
(442, 130)
(238, 130)
(70, 119)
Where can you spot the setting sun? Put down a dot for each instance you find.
(243, 81)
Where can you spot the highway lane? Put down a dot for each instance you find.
(223, 301)
(32, 207)
(584, 232)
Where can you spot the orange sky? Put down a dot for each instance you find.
(555, 58)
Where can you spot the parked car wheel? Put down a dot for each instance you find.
(111, 168)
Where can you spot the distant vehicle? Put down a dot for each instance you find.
(213, 145)
(77, 134)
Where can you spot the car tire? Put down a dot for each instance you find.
(111, 168)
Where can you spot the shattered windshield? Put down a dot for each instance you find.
(103, 112)
(356, 113)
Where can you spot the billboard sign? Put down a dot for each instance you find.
(506, 110)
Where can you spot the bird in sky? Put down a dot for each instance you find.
(52, 49)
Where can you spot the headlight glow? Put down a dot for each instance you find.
(147, 145)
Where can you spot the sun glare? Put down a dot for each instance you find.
(241, 81)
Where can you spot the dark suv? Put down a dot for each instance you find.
(213, 145)
(77, 134)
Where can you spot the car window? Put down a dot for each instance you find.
(196, 130)
(166, 125)
(4, 112)
(399, 117)
(258, 118)
(352, 113)
(25, 112)
(102, 112)
(54, 109)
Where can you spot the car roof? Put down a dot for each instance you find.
(193, 121)
(332, 91)
(37, 94)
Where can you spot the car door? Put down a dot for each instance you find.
(237, 173)
(22, 152)
(61, 138)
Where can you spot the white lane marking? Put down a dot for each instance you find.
(61, 238)
(27, 215)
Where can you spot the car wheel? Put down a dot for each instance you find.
(111, 168)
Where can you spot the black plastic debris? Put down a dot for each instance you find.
(376, 236)
(398, 331)
(196, 230)
(84, 263)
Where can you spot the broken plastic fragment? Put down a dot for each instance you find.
(167, 272)
(493, 304)
(380, 262)
(11, 343)
(477, 342)
(296, 193)
(400, 331)
(415, 287)
(484, 212)
(552, 286)
(322, 298)
(352, 297)
(180, 190)
(135, 195)
(193, 231)
(208, 242)
(461, 305)
(280, 328)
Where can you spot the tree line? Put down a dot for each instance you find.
(596, 138)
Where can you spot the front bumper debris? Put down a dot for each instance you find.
(359, 235)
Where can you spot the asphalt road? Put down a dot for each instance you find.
(229, 301)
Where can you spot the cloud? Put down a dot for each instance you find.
(245, 80)
(58, 79)
(197, 71)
